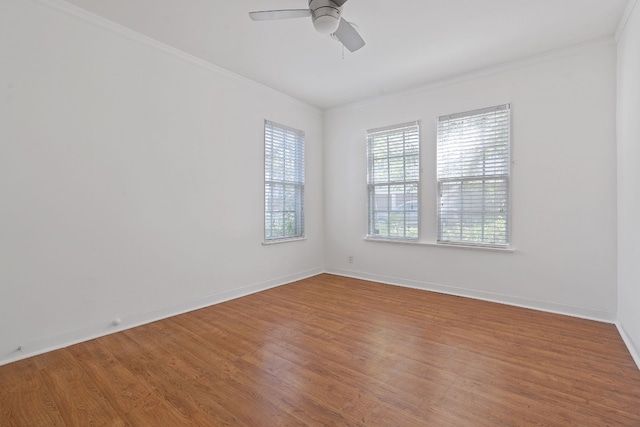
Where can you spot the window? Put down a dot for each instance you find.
(283, 182)
(473, 177)
(393, 178)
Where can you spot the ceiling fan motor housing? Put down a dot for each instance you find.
(325, 15)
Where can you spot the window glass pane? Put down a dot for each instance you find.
(473, 177)
(284, 182)
(381, 170)
(393, 179)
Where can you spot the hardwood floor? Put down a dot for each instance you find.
(335, 351)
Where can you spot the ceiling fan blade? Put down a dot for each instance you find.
(268, 15)
(348, 36)
(339, 2)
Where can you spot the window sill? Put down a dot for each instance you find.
(278, 241)
(439, 245)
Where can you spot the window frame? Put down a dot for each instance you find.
(298, 183)
(462, 179)
(411, 130)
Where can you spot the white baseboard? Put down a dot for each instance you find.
(567, 310)
(47, 344)
(633, 349)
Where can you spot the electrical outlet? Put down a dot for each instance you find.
(350, 259)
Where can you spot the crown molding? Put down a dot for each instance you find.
(631, 4)
(136, 37)
(481, 72)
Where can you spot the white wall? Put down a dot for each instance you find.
(131, 180)
(131, 183)
(629, 180)
(563, 182)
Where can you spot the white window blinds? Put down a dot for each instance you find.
(283, 182)
(393, 178)
(473, 177)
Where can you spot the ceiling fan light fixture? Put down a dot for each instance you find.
(325, 15)
(326, 24)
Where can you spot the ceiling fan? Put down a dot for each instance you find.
(327, 19)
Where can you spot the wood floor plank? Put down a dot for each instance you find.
(78, 399)
(24, 395)
(134, 400)
(204, 347)
(159, 369)
(336, 351)
(210, 384)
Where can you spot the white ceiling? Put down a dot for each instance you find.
(409, 42)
